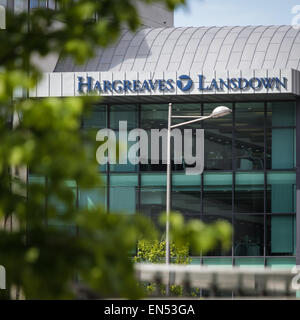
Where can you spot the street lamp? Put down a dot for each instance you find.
(216, 113)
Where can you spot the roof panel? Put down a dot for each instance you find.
(162, 49)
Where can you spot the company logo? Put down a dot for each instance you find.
(184, 83)
(188, 83)
(2, 278)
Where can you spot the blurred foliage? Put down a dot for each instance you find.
(154, 251)
(48, 242)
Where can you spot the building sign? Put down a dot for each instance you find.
(184, 83)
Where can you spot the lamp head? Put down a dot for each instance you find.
(220, 112)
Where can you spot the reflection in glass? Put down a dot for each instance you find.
(218, 149)
(96, 118)
(281, 235)
(281, 148)
(281, 114)
(91, 198)
(93, 121)
(248, 235)
(249, 114)
(249, 192)
(249, 149)
(281, 192)
(153, 197)
(186, 194)
(123, 193)
(217, 193)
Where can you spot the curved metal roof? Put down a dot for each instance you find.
(202, 48)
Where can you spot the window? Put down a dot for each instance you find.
(281, 114)
(281, 135)
(217, 193)
(249, 114)
(281, 192)
(248, 235)
(281, 235)
(249, 149)
(153, 197)
(218, 149)
(123, 193)
(186, 194)
(249, 192)
(92, 198)
(281, 148)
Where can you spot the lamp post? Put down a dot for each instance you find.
(216, 113)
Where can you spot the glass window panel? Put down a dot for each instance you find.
(250, 262)
(249, 192)
(249, 114)
(92, 122)
(217, 194)
(218, 262)
(92, 198)
(280, 235)
(281, 148)
(129, 114)
(153, 197)
(43, 3)
(20, 5)
(281, 263)
(96, 118)
(34, 3)
(217, 123)
(218, 149)
(154, 116)
(149, 180)
(181, 179)
(248, 235)
(281, 114)
(249, 149)
(186, 200)
(195, 261)
(281, 188)
(123, 193)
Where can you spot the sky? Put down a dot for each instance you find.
(236, 12)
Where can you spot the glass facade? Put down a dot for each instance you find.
(249, 177)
